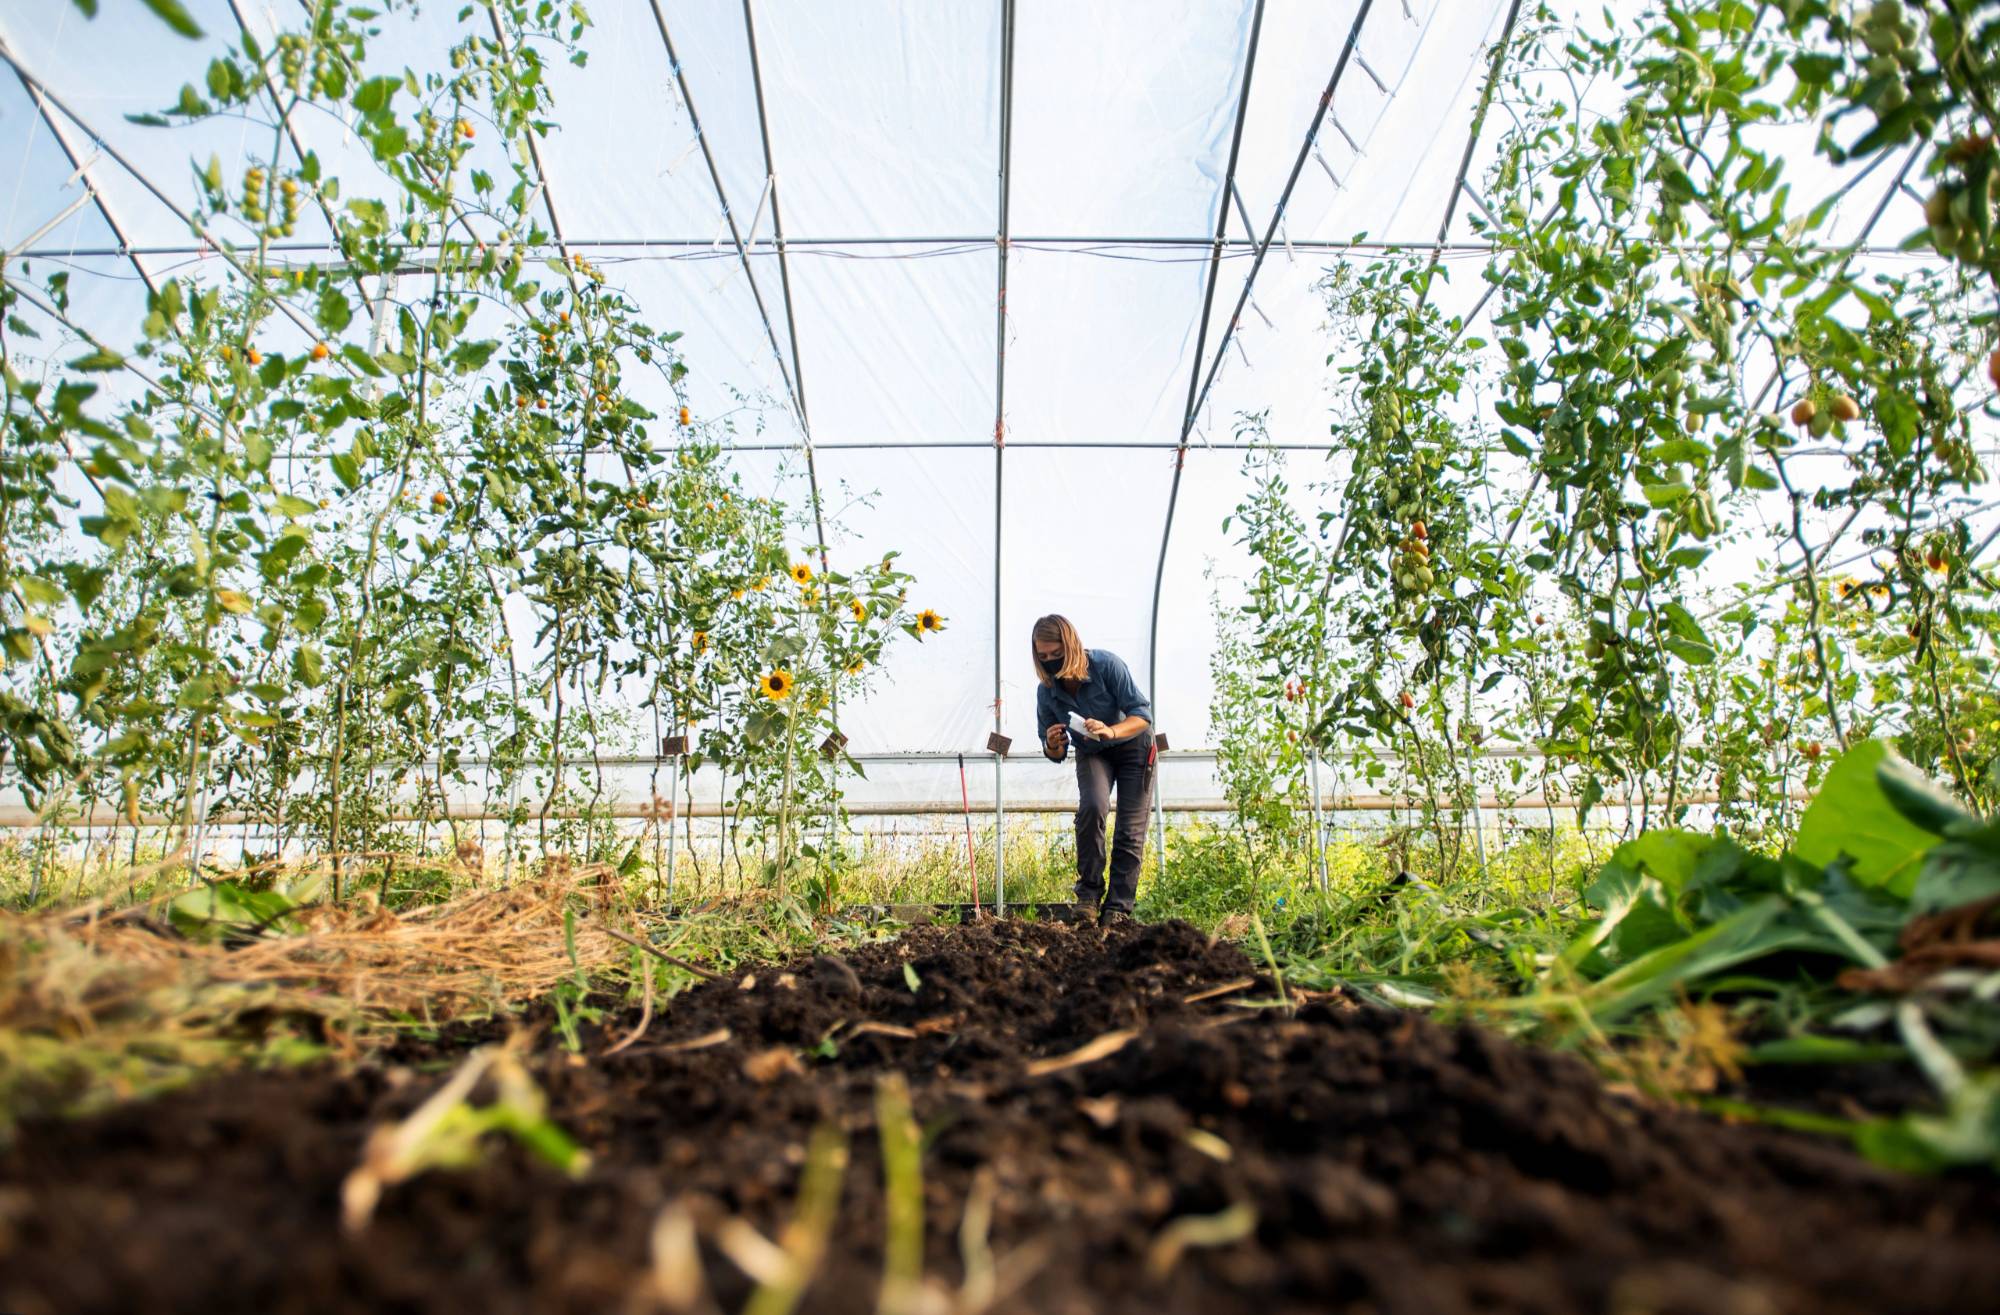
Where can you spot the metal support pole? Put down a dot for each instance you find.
(1197, 399)
(81, 165)
(1159, 822)
(1319, 828)
(798, 375)
(1197, 391)
(722, 199)
(1000, 442)
(673, 815)
(1472, 773)
(1201, 332)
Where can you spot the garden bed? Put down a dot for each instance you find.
(1336, 1157)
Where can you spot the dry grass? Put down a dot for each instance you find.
(95, 1007)
(481, 950)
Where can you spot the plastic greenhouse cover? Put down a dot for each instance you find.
(883, 121)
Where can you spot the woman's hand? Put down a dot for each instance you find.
(1099, 729)
(1056, 742)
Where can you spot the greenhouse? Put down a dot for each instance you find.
(1114, 656)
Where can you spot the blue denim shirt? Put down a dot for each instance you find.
(1109, 695)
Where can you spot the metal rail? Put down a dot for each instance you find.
(913, 757)
(704, 248)
(109, 818)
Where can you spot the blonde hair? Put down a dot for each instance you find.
(1053, 629)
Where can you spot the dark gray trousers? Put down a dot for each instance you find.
(1126, 768)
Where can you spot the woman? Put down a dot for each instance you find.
(1116, 750)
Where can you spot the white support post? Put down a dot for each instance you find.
(1319, 821)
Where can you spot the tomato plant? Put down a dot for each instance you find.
(333, 532)
(1542, 540)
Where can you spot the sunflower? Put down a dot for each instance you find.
(1847, 588)
(810, 597)
(929, 622)
(859, 608)
(760, 584)
(802, 574)
(736, 595)
(854, 668)
(776, 684)
(701, 641)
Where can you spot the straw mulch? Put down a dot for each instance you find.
(96, 1007)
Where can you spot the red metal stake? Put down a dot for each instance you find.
(971, 863)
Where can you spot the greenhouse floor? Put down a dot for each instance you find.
(1136, 1121)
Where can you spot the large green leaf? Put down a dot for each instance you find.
(222, 905)
(1669, 856)
(1758, 929)
(1854, 816)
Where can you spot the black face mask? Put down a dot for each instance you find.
(1052, 665)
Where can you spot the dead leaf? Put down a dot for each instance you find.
(1102, 1110)
(884, 1029)
(1088, 1053)
(770, 1065)
(707, 1039)
(1227, 988)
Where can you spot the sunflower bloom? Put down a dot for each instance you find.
(802, 574)
(701, 641)
(760, 584)
(736, 595)
(854, 668)
(859, 608)
(929, 622)
(776, 684)
(810, 597)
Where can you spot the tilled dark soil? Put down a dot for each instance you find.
(1392, 1165)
